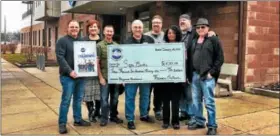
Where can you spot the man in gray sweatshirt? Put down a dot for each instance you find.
(157, 34)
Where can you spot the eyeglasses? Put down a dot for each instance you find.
(156, 22)
(200, 27)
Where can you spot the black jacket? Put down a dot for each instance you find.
(188, 43)
(213, 58)
(144, 39)
(64, 50)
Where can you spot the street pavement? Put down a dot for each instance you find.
(30, 101)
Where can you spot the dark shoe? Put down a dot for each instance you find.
(195, 126)
(116, 120)
(130, 125)
(103, 123)
(147, 119)
(176, 126)
(165, 126)
(82, 123)
(212, 131)
(62, 129)
(158, 116)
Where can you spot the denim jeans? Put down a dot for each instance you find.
(113, 90)
(186, 101)
(71, 87)
(204, 90)
(130, 94)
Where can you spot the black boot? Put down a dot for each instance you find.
(90, 111)
(97, 109)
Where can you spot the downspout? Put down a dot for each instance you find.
(241, 48)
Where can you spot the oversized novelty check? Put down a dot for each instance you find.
(146, 63)
(85, 58)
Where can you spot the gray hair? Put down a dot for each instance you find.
(137, 21)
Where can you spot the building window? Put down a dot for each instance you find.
(33, 38)
(36, 36)
(145, 18)
(81, 29)
(49, 37)
(39, 35)
(56, 33)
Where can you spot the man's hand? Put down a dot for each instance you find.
(73, 74)
(209, 76)
(102, 81)
(211, 33)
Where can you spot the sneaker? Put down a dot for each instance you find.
(130, 125)
(212, 131)
(165, 126)
(195, 126)
(82, 123)
(62, 129)
(147, 119)
(116, 120)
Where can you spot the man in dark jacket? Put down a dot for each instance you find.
(144, 88)
(71, 85)
(204, 60)
(188, 34)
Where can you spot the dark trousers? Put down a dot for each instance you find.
(157, 97)
(106, 107)
(171, 92)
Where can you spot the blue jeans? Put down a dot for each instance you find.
(113, 90)
(71, 87)
(186, 101)
(130, 93)
(204, 90)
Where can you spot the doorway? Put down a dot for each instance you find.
(117, 21)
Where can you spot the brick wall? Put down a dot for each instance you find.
(224, 20)
(262, 43)
(64, 19)
(26, 30)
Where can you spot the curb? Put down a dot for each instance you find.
(263, 92)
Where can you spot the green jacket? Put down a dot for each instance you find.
(102, 55)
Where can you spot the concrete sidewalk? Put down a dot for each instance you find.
(30, 101)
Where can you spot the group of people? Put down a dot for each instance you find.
(86, 67)
(204, 58)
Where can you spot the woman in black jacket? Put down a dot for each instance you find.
(171, 91)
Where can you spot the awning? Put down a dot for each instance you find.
(106, 7)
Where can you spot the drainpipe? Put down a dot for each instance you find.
(241, 48)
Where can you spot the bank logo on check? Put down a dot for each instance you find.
(117, 53)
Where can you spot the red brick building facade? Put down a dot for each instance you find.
(261, 40)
